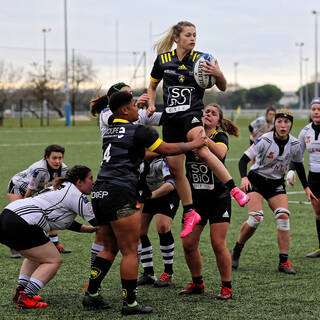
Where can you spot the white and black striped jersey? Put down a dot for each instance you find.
(158, 173)
(260, 126)
(105, 114)
(271, 162)
(53, 209)
(37, 176)
(309, 139)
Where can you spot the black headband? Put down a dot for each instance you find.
(284, 115)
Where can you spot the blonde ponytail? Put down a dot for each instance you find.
(166, 42)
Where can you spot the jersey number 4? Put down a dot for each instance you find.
(106, 155)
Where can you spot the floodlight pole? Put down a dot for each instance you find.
(300, 45)
(316, 93)
(66, 87)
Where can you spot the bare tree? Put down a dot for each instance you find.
(9, 79)
(46, 87)
(82, 73)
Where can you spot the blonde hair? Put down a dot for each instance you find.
(226, 125)
(166, 42)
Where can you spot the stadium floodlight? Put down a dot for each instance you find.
(300, 45)
(316, 13)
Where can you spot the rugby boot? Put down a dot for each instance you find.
(225, 293)
(14, 254)
(17, 294)
(286, 267)
(94, 302)
(234, 260)
(240, 196)
(146, 279)
(314, 254)
(193, 288)
(27, 302)
(138, 309)
(190, 220)
(62, 249)
(164, 281)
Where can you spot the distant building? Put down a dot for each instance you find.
(288, 99)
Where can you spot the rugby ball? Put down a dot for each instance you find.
(202, 80)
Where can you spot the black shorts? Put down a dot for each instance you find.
(15, 189)
(175, 130)
(17, 234)
(214, 209)
(166, 205)
(314, 183)
(268, 188)
(111, 202)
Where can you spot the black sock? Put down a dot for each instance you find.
(318, 230)
(197, 280)
(187, 208)
(283, 258)
(238, 248)
(167, 251)
(129, 290)
(146, 255)
(230, 184)
(99, 270)
(227, 284)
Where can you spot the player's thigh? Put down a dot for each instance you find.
(256, 201)
(127, 232)
(278, 201)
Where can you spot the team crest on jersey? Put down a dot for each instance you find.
(257, 141)
(84, 198)
(308, 139)
(35, 173)
(270, 155)
(181, 78)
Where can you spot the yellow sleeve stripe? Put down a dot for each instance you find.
(165, 57)
(223, 144)
(162, 58)
(172, 52)
(191, 53)
(169, 56)
(155, 145)
(154, 80)
(195, 57)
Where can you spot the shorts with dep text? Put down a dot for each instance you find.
(111, 202)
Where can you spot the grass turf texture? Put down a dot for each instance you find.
(259, 290)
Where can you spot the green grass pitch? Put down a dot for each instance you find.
(259, 290)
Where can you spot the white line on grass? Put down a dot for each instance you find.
(44, 143)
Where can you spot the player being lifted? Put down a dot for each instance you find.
(26, 183)
(183, 107)
(273, 153)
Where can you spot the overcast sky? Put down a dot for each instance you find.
(259, 35)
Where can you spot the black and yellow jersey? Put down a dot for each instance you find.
(202, 181)
(123, 146)
(181, 94)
